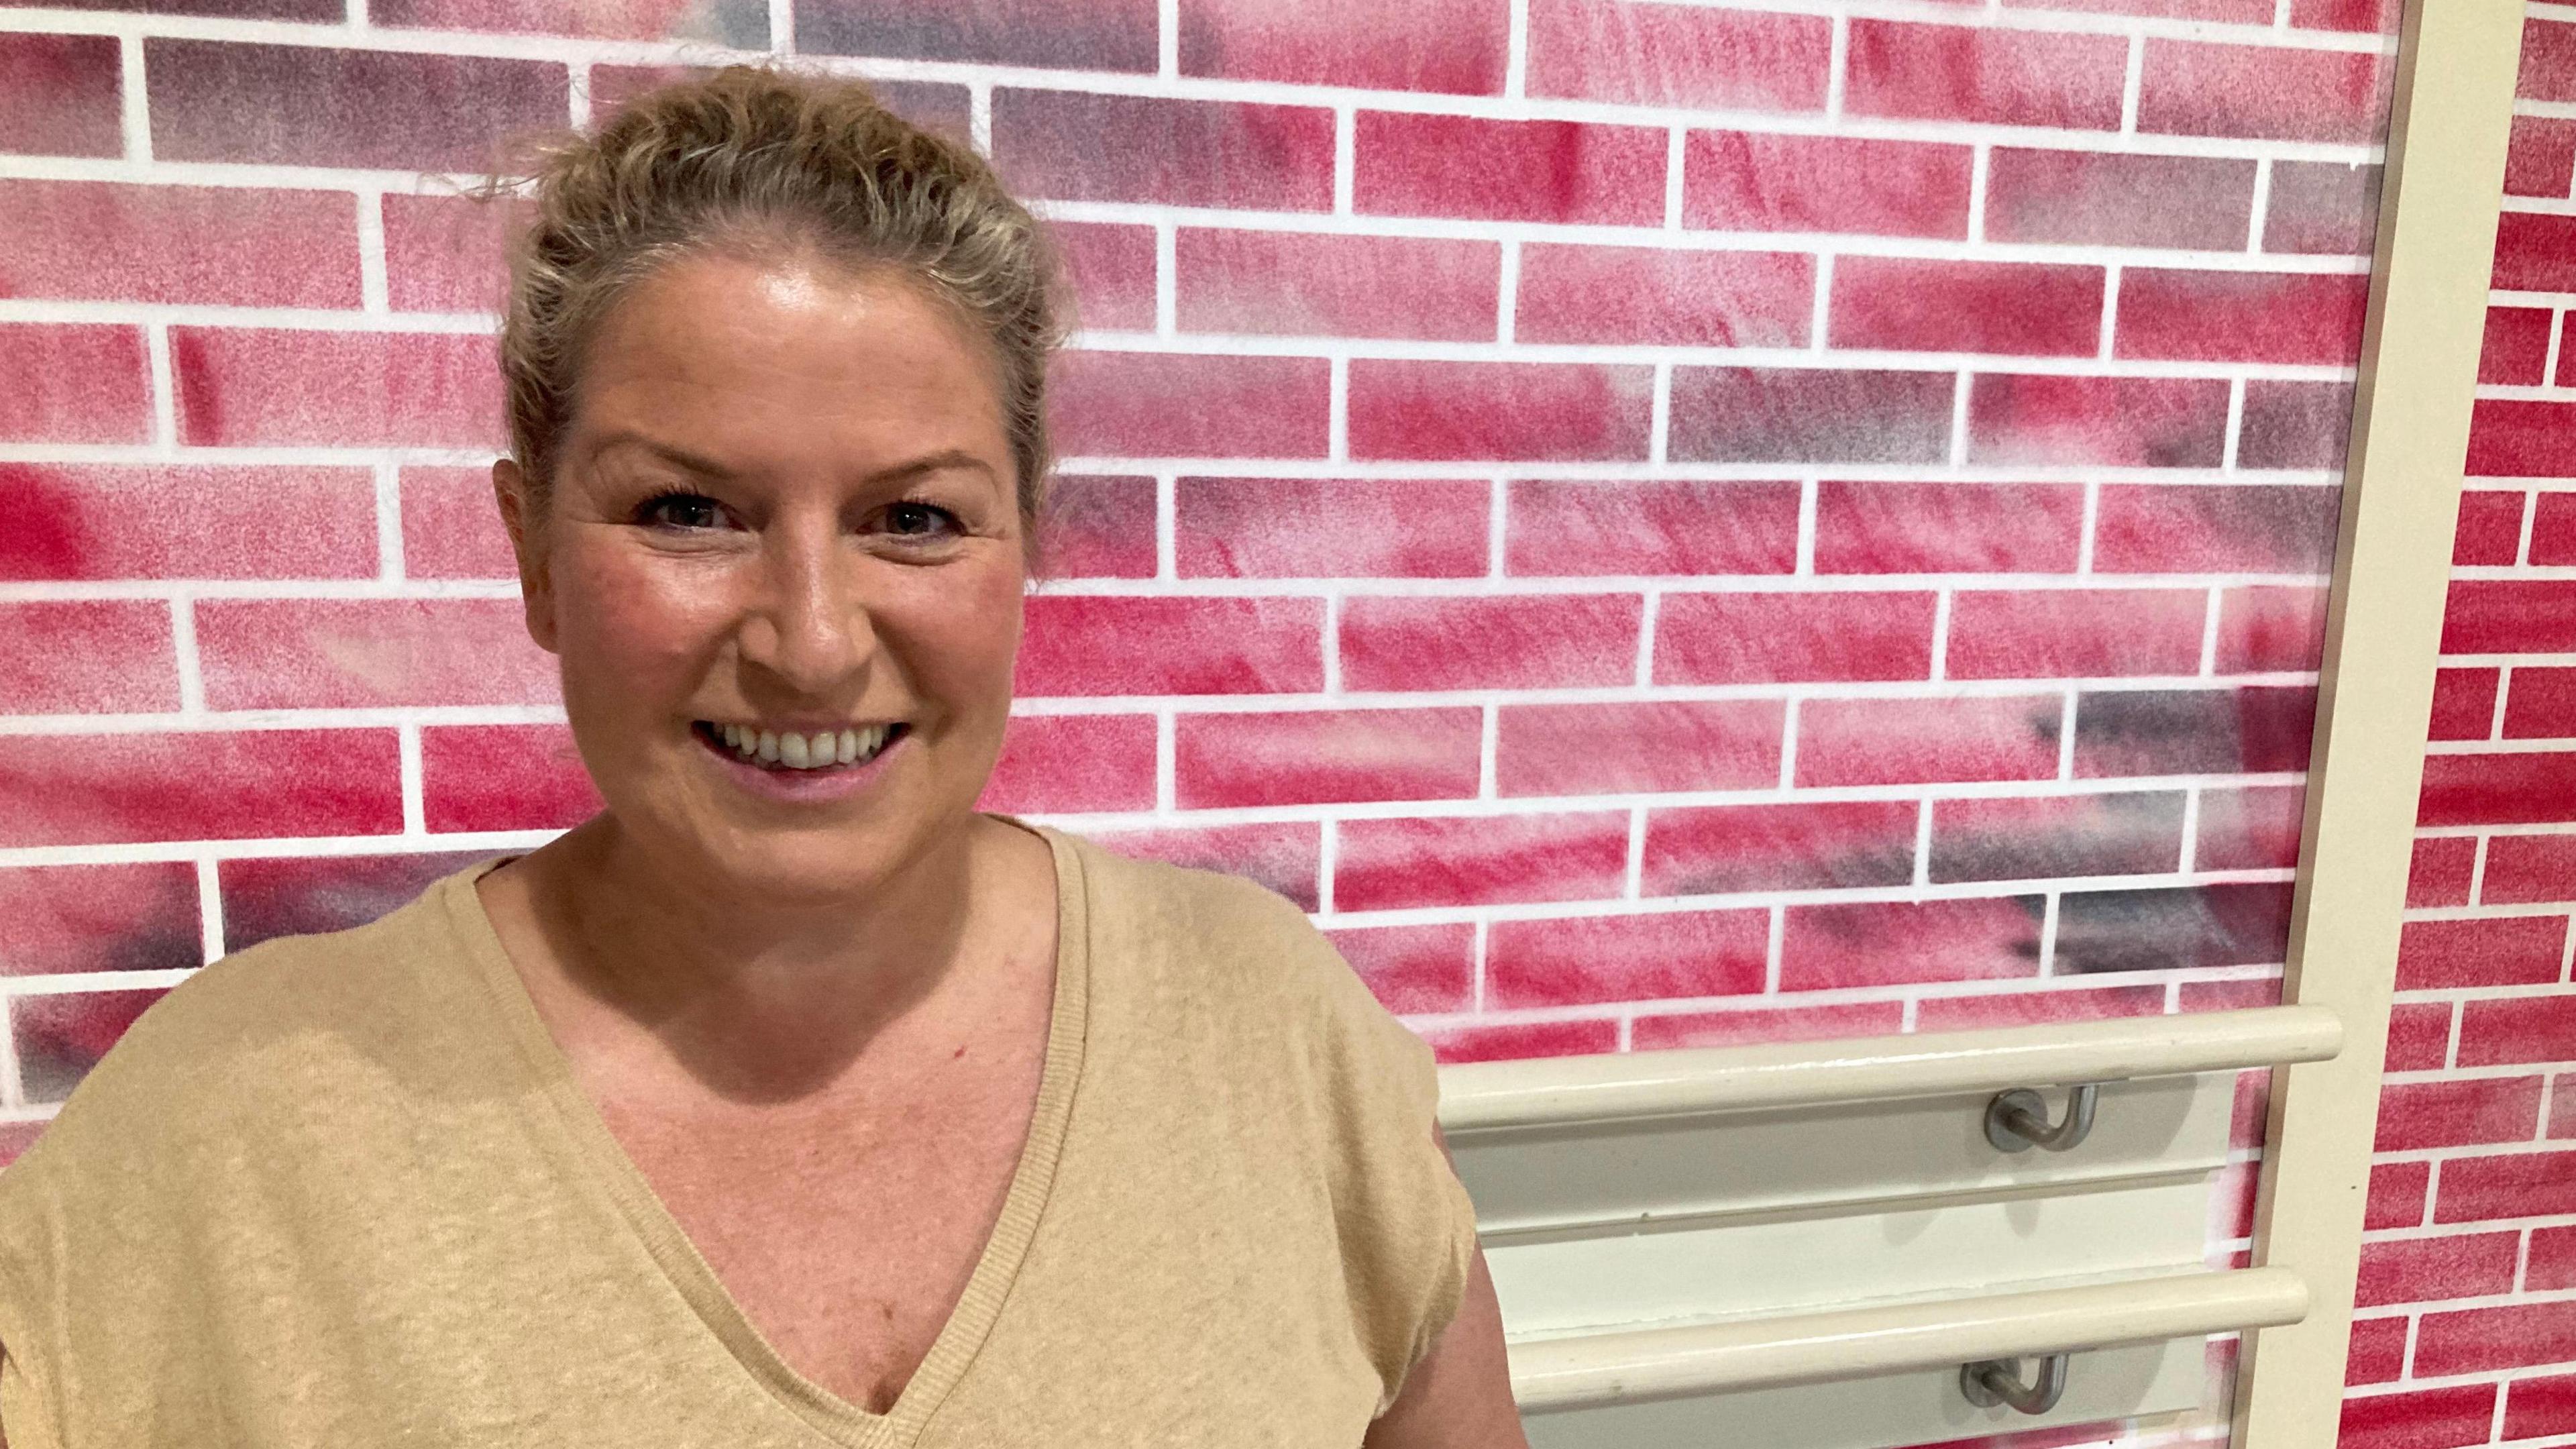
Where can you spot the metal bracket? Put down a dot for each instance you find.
(1990, 1382)
(2017, 1121)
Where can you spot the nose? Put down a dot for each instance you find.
(810, 625)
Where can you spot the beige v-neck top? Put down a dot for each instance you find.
(343, 1190)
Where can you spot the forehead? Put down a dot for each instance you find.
(790, 364)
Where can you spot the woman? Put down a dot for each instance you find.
(789, 1101)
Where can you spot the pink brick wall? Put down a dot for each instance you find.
(1660, 523)
(2466, 1333)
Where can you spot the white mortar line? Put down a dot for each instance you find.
(1345, 158)
(414, 809)
(210, 910)
(373, 289)
(2134, 82)
(1923, 845)
(134, 117)
(2259, 217)
(1808, 489)
(1516, 51)
(165, 390)
(1837, 68)
(1980, 172)
(390, 565)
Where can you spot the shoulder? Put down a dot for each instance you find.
(1250, 964)
(268, 1025)
(295, 988)
(1221, 933)
(249, 1093)
(1184, 898)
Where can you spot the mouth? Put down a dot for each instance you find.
(797, 752)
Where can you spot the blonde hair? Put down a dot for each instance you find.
(754, 160)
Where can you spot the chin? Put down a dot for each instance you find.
(822, 863)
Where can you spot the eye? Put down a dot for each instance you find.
(914, 519)
(679, 509)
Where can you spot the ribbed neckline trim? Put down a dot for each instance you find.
(594, 1152)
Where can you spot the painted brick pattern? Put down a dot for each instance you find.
(1660, 524)
(2467, 1333)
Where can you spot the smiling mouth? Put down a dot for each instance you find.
(790, 751)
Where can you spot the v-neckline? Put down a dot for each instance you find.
(594, 1152)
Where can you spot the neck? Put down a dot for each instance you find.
(754, 998)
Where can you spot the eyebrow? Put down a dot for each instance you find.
(932, 463)
(704, 467)
(707, 467)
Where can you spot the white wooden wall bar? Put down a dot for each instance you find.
(2437, 230)
(1823, 1245)
(1856, 1343)
(1858, 1069)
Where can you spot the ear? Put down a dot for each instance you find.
(527, 541)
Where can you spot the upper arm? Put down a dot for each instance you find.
(1409, 1243)
(1460, 1395)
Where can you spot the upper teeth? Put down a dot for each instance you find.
(817, 751)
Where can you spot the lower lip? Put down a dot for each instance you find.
(804, 787)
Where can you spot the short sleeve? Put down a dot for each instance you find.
(1408, 1230)
(27, 1413)
(81, 1239)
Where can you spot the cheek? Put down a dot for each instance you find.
(959, 630)
(639, 624)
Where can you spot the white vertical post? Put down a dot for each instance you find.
(2445, 184)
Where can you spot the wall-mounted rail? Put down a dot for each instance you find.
(1860, 1069)
(1886, 1338)
(1856, 1243)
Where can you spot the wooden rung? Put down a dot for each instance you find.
(1483, 1095)
(1667, 1362)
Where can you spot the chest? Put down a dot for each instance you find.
(845, 1230)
